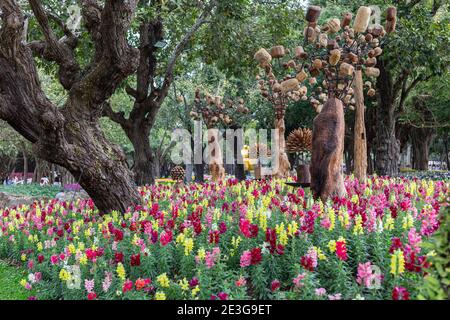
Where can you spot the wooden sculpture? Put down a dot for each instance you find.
(327, 151)
(326, 65)
(216, 111)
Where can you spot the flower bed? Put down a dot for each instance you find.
(258, 239)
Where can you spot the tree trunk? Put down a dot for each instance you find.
(199, 172)
(328, 150)
(387, 146)
(143, 167)
(447, 158)
(70, 136)
(98, 165)
(239, 169)
(25, 166)
(421, 139)
(360, 142)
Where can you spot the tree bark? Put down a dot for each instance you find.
(70, 136)
(25, 166)
(143, 166)
(239, 169)
(446, 149)
(388, 148)
(327, 151)
(421, 139)
(149, 98)
(199, 172)
(360, 142)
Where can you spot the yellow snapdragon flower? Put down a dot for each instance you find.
(408, 221)
(397, 262)
(292, 228)
(201, 253)
(163, 280)
(184, 284)
(389, 223)
(121, 271)
(358, 228)
(332, 245)
(195, 291)
(188, 246)
(64, 275)
(160, 295)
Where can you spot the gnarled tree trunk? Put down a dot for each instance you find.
(70, 136)
(327, 151)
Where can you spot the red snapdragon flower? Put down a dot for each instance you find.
(400, 293)
(118, 235)
(222, 296)
(341, 250)
(396, 243)
(92, 296)
(275, 285)
(214, 236)
(127, 286)
(135, 260)
(256, 256)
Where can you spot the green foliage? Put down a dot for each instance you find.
(436, 284)
(32, 190)
(10, 288)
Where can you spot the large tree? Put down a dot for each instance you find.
(147, 94)
(70, 135)
(417, 52)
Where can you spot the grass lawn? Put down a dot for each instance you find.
(34, 190)
(10, 289)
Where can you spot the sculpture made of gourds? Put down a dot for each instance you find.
(216, 111)
(324, 66)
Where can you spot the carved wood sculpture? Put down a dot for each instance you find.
(360, 150)
(279, 92)
(214, 112)
(299, 142)
(327, 151)
(328, 58)
(215, 156)
(282, 166)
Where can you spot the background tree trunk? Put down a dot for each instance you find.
(387, 146)
(70, 136)
(143, 166)
(421, 139)
(199, 172)
(239, 169)
(25, 166)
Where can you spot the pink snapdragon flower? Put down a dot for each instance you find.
(246, 259)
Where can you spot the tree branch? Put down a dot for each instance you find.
(168, 77)
(91, 12)
(22, 103)
(114, 59)
(118, 117)
(59, 51)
